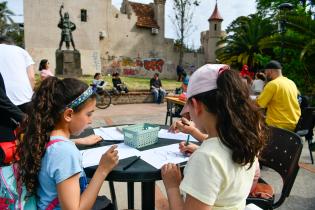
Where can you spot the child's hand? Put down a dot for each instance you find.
(183, 125)
(173, 128)
(89, 140)
(171, 176)
(187, 149)
(109, 159)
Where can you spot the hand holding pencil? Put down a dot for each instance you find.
(187, 149)
(182, 125)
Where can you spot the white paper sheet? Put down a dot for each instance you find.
(163, 133)
(91, 157)
(157, 157)
(111, 133)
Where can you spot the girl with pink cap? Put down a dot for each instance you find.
(219, 173)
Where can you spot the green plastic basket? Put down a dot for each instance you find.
(141, 135)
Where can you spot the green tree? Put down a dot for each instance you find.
(242, 43)
(272, 6)
(182, 21)
(8, 27)
(298, 42)
(5, 17)
(303, 25)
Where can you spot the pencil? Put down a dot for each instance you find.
(131, 163)
(187, 141)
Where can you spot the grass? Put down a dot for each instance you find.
(132, 83)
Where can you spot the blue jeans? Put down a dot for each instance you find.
(158, 94)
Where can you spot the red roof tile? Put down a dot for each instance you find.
(216, 14)
(145, 14)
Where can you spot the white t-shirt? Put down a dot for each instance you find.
(258, 86)
(14, 62)
(212, 177)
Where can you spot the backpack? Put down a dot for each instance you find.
(14, 197)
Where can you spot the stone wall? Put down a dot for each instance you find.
(133, 98)
(109, 41)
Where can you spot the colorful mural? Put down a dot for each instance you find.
(136, 66)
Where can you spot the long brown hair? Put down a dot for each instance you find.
(240, 125)
(48, 103)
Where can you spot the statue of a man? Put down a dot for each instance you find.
(66, 27)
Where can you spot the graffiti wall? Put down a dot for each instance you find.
(140, 67)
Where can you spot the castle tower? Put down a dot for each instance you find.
(214, 34)
(159, 12)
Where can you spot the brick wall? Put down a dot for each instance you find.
(133, 98)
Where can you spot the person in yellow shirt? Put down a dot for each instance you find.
(279, 96)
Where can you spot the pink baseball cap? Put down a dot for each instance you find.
(202, 80)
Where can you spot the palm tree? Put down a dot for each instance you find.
(5, 17)
(269, 7)
(299, 42)
(299, 36)
(305, 27)
(241, 45)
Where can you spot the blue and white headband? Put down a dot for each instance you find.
(81, 98)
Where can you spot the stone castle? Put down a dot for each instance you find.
(130, 41)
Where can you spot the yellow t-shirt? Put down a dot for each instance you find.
(212, 177)
(280, 98)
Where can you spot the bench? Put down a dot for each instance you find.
(133, 97)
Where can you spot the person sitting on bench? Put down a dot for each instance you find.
(98, 84)
(118, 84)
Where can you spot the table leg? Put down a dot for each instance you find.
(167, 112)
(171, 113)
(113, 194)
(130, 191)
(148, 195)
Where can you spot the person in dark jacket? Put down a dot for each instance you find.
(157, 90)
(10, 114)
(118, 84)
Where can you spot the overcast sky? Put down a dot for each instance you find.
(229, 10)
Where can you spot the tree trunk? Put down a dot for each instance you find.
(182, 29)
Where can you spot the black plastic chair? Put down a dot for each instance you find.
(306, 122)
(281, 154)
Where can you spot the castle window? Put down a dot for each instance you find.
(83, 15)
(215, 27)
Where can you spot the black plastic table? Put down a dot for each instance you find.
(140, 171)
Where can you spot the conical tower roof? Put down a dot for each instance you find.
(215, 14)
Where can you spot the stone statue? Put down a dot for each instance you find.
(66, 27)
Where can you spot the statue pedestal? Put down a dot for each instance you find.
(68, 63)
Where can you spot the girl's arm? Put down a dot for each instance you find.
(186, 126)
(175, 200)
(172, 177)
(193, 203)
(69, 189)
(89, 140)
(69, 192)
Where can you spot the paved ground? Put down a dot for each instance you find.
(302, 195)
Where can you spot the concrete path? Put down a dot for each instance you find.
(302, 195)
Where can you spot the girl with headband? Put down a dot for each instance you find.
(50, 165)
